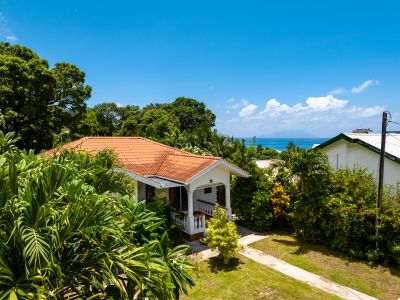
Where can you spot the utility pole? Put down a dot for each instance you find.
(381, 174)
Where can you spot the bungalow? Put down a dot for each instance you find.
(193, 184)
(348, 150)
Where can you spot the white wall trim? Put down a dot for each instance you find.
(232, 168)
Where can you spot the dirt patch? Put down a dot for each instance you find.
(265, 293)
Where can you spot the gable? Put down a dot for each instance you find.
(343, 137)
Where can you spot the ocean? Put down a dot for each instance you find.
(281, 143)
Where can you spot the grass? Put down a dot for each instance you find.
(377, 281)
(246, 279)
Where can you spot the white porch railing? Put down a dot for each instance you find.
(199, 223)
(181, 219)
(205, 207)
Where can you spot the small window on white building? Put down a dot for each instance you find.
(208, 190)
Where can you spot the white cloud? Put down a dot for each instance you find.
(325, 103)
(338, 91)
(11, 38)
(363, 86)
(5, 30)
(244, 102)
(233, 104)
(273, 107)
(319, 116)
(356, 89)
(366, 112)
(248, 110)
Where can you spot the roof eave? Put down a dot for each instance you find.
(345, 137)
(232, 168)
(140, 178)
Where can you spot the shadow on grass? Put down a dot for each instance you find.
(216, 264)
(302, 248)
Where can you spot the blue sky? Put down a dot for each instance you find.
(266, 68)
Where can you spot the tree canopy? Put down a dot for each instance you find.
(37, 101)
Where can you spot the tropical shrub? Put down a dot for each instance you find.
(342, 216)
(389, 229)
(159, 204)
(242, 191)
(264, 199)
(311, 168)
(66, 230)
(222, 235)
(261, 211)
(280, 203)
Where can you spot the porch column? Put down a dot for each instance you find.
(228, 200)
(136, 191)
(190, 217)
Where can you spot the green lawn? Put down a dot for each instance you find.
(246, 279)
(377, 281)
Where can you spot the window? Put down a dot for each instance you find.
(207, 190)
(150, 192)
(178, 198)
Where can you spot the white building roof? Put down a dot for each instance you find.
(266, 163)
(374, 139)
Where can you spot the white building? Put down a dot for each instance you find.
(348, 150)
(267, 163)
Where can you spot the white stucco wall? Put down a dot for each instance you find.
(141, 191)
(210, 197)
(343, 154)
(218, 175)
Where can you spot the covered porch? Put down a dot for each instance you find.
(191, 204)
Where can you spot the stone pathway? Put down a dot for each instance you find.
(201, 252)
(312, 279)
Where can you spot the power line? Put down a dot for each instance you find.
(390, 121)
(390, 134)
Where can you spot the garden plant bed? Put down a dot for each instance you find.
(376, 281)
(246, 279)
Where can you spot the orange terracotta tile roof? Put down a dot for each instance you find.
(145, 157)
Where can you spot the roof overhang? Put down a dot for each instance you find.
(165, 183)
(155, 181)
(360, 142)
(232, 169)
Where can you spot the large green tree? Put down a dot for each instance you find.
(130, 119)
(108, 117)
(157, 123)
(192, 114)
(70, 96)
(37, 101)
